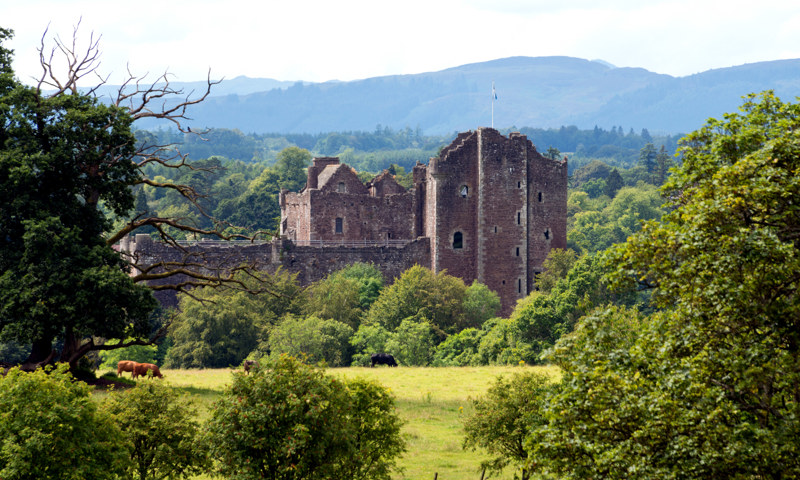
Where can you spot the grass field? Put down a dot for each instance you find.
(432, 402)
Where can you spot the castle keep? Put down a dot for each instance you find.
(488, 208)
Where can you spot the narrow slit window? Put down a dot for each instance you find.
(519, 184)
(464, 191)
(519, 285)
(540, 196)
(339, 225)
(519, 218)
(518, 251)
(547, 234)
(458, 240)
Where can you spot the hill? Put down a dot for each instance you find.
(541, 92)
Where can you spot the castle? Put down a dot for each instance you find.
(491, 206)
(488, 208)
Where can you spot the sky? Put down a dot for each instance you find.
(322, 40)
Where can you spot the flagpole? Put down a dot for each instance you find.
(493, 97)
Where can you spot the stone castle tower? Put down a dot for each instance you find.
(490, 206)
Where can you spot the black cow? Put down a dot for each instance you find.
(383, 359)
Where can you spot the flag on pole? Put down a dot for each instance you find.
(494, 93)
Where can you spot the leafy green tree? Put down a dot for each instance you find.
(479, 304)
(369, 339)
(163, 437)
(708, 387)
(321, 340)
(647, 157)
(663, 164)
(413, 343)
(614, 182)
(291, 421)
(377, 439)
(335, 297)
(50, 428)
(503, 418)
(436, 297)
(291, 168)
(221, 327)
(556, 266)
(459, 350)
(61, 157)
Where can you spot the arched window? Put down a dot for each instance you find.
(464, 191)
(458, 240)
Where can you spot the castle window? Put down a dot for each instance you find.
(540, 196)
(464, 191)
(458, 240)
(518, 251)
(495, 229)
(519, 218)
(339, 225)
(519, 285)
(519, 184)
(341, 188)
(547, 234)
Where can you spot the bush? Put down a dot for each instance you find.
(50, 428)
(291, 421)
(320, 340)
(162, 435)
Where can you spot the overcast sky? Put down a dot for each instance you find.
(320, 40)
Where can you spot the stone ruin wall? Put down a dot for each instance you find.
(309, 263)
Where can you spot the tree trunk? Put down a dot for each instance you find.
(42, 353)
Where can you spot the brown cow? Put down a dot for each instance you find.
(142, 368)
(125, 366)
(249, 365)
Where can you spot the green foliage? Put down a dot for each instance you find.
(479, 304)
(413, 342)
(596, 225)
(137, 353)
(369, 339)
(50, 428)
(161, 432)
(320, 340)
(346, 294)
(422, 294)
(503, 418)
(708, 387)
(222, 326)
(62, 158)
(291, 421)
(459, 350)
(556, 266)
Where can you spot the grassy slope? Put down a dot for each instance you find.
(432, 401)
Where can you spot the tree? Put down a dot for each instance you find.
(647, 157)
(291, 421)
(68, 165)
(613, 183)
(50, 428)
(503, 418)
(479, 304)
(319, 340)
(556, 266)
(420, 293)
(221, 327)
(161, 433)
(709, 386)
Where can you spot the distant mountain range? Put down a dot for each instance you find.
(538, 92)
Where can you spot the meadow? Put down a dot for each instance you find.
(431, 401)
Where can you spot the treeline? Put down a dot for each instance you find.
(376, 150)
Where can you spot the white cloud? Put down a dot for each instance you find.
(319, 40)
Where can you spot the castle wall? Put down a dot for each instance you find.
(362, 218)
(502, 217)
(547, 215)
(309, 263)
